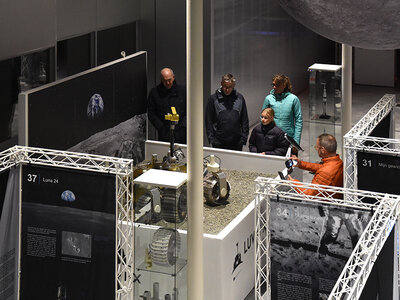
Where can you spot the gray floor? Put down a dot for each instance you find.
(364, 98)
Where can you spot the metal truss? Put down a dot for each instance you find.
(125, 237)
(358, 268)
(64, 159)
(358, 139)
(368, 123)
(355, 274)
(121, 168)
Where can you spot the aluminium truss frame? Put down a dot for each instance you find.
(355, 274)
(357, 139)
(121, 168)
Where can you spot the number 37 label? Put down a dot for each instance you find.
(35, 178)
(32, 177)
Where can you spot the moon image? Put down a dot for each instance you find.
(368, 24)
(95, 106)
(68, 196)
(125, 140)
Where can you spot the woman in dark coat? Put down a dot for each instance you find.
(266, 138)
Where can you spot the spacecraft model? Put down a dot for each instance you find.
(165, 247)
(216, 187)
(157, 204)
(324, 102)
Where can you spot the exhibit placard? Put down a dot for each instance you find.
(378, 172)
(68, 234)
(310, 245)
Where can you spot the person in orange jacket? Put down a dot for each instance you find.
(330, 171)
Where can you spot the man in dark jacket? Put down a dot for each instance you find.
(168, 93)
(227, 123)
(266, 138)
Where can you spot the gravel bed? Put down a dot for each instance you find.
(217, 218)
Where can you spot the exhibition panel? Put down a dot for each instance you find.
(67, 239)
(68, 227)
(98, 111)
(295, 259)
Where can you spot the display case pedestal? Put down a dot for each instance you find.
(325, 104)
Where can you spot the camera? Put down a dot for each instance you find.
(289, 163)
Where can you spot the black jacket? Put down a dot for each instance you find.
(269, 139)
(159, 104)
(227, 123)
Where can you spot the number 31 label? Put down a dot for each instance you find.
(366, 163)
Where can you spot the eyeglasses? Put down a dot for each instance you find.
(276, 84)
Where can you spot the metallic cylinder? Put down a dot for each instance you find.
(156, 291)
(347, 69)
(194, 63)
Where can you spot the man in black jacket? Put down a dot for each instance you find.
(168, 93)
(227, 123)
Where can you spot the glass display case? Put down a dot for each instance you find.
(160, 249)
(325, 102)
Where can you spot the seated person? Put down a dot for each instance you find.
(266, 138)
(329, 172)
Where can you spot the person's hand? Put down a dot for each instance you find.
(295, 158)
(263, 153)
(290, 178)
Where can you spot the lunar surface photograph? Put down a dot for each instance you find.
(76, 244)
(125, 140)
(310, 245)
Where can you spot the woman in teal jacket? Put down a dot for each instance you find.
(287, 107)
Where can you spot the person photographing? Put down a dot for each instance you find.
(329, 172)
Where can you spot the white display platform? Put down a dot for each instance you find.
(162, 178)
(324, 67)
(223, 278)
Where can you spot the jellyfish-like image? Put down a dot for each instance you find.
(95, 106)
(68, 196)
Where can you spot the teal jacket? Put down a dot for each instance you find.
(288, 116)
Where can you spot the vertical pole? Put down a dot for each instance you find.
(194, 64)
(347, 69)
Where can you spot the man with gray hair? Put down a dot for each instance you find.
(227, 122)
(330, 171)
(168, 93)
